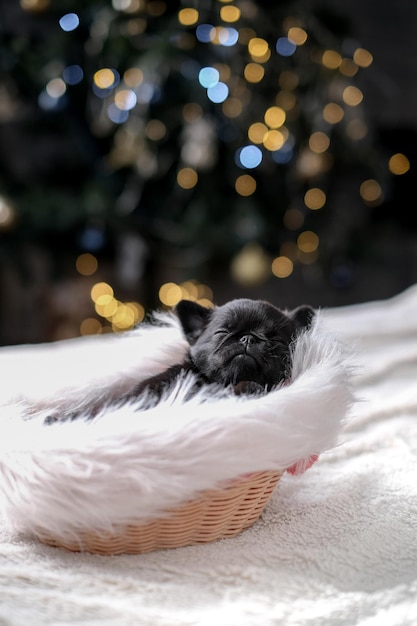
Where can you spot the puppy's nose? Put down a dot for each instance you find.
(247, 340)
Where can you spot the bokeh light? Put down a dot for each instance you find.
(73, 74)
(251, 266)
(245, 185)
(308, 241)
(282, 267)
(371, 192)
(230, 14)
(352, 96)
(319, 142)
(69, 22)
(399, 164)
(362, 57)
(171, 293)
(86, 264)
(208, 77)
(315, 198)
(257, 131)
(187, 178)
(218, 93)
(333, 113)
(331, 59)
(285, 47)
(188, 17)
(297, 35)
(249, 157)
(253, 72)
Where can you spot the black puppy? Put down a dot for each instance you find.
(244, 344)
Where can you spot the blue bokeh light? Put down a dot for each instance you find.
(204, 32)
(47, 102)
(218, 93)
(117, 115)
(285, 47)
(248, 157)
(228, 36)
(73, 74)
(69, 22)
(208, 77)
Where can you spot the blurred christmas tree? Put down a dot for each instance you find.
(185, 139)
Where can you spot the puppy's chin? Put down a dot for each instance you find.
(240, 368)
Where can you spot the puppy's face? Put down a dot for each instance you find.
(243, 340)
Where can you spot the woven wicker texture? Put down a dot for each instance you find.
(217, 514)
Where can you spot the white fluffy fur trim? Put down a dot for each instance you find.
(132, 464)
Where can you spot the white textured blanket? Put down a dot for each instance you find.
(336, 546)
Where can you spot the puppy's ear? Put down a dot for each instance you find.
(193, 318)
(303, 316)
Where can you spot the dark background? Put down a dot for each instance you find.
(72, 182)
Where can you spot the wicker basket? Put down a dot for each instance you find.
(217, 514)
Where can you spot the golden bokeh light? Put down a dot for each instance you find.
(106, 306)
(333, 113)
(371, 192)
(155, 130)
(362, 57)
(352, 96)
(104, 78)
(123, 318)
(273, 140)
(282, 267)
(230, 14)
(348, 68)
(258, 47)
(297, 35)
(90, 326)
(331, 59)
(188, 17)
(137, 310)
(187, 178)
(319, 142)
(257, 131)
(308, 241)
(315, 199)
(86, 264)
(245, 185)
(253, 72)
(274, 117)
(133, 77)
(171, 293)
(251, 266)
(100, 289)
(398, 164)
